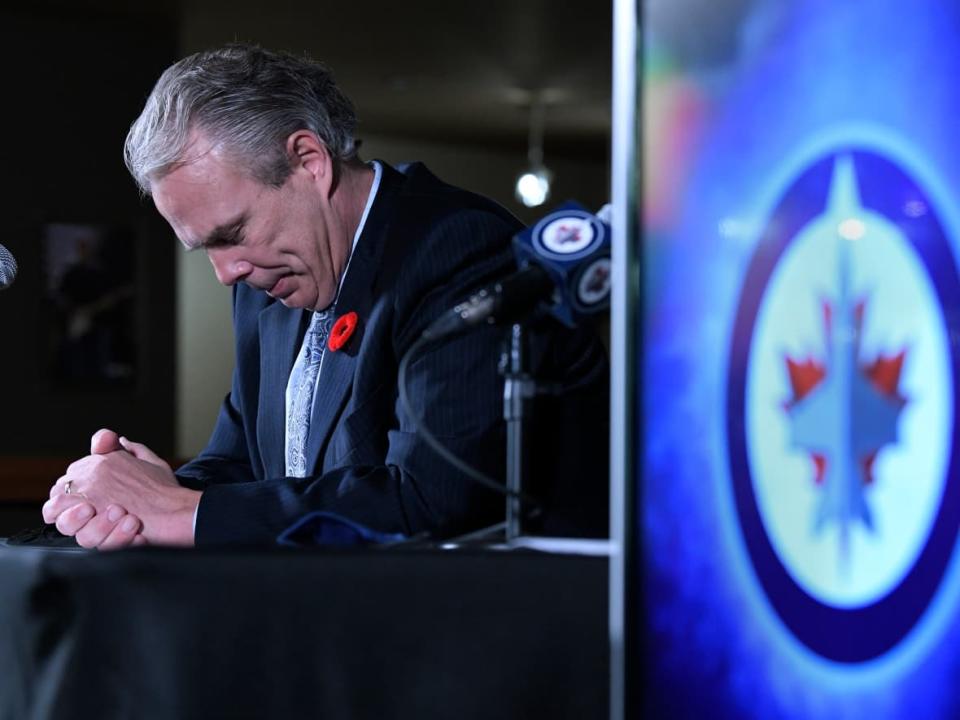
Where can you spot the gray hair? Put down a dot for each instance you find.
(247, 99)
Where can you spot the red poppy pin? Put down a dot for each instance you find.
(342, 331)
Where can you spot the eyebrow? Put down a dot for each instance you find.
(229, 233)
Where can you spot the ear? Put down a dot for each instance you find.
(309, 154)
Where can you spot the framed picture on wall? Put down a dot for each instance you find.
(90, 285)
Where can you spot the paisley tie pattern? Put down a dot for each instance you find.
(303, 383)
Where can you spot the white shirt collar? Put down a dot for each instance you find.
(377, 174)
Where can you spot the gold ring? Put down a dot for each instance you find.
(66, 487)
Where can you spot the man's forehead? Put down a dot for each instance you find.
(199, 205)
(206, 197)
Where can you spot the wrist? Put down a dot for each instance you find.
(175, 527)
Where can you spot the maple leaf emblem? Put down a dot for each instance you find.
(842, 412)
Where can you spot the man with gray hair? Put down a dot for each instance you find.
(337, 266)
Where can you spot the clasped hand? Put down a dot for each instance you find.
(121, 494)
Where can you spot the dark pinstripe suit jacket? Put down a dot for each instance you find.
(425, 247)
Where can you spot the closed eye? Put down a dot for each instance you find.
(227, 235)
(221, 242)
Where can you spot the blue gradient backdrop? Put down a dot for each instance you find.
(809, 78)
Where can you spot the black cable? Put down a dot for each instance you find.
(469, 471)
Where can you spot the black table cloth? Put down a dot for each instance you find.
(160, 633)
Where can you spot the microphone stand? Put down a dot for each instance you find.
(518, 387)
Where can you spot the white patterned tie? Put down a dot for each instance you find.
(301, 399)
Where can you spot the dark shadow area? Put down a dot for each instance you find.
(15, 517)
(69, 108)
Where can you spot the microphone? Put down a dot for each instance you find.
(564, 265)
(8, 268)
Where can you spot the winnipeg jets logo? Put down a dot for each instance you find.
(566, 233)
(594, 284)
(844, 410)
(841, 406)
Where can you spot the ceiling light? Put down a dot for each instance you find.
(533, 185)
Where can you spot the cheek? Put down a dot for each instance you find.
(298, 253)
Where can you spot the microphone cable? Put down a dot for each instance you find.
(470, 472)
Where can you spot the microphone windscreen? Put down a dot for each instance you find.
(8, 268)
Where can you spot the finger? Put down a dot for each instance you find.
(60, 487)
(139, 540)
(57, 487)
(104, 441)
(58, 504)
(142, 452)
(100, 526)
(70, 521)
(123, 533)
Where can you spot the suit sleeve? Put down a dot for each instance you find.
(225, 458)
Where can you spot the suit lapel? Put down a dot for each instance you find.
(281, 334)
(356, 295)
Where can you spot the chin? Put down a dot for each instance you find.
(319, 304)
(299, 299)
(292, 301)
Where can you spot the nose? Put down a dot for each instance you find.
(228, 268)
